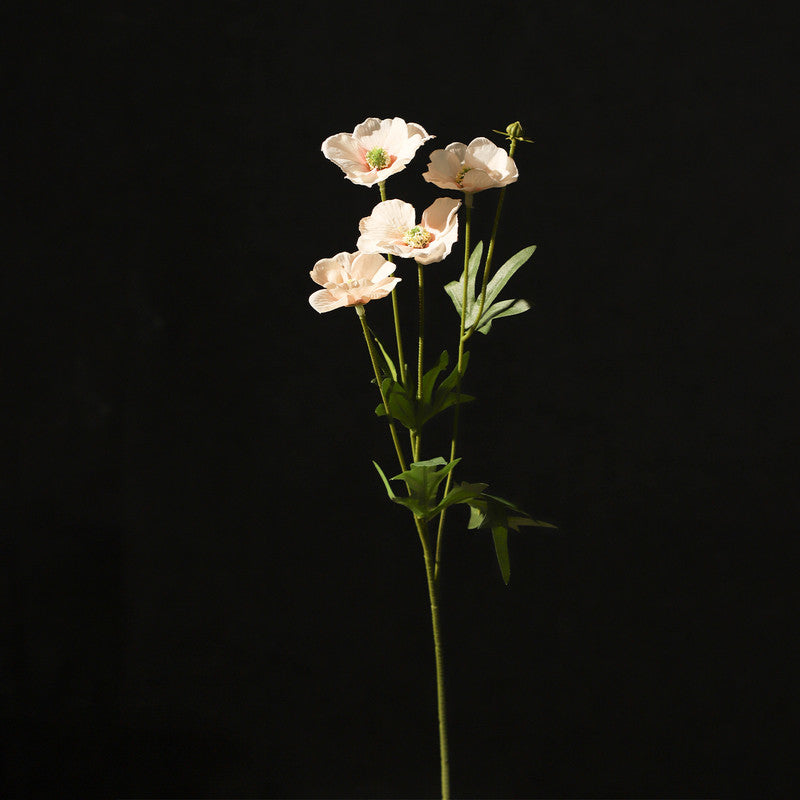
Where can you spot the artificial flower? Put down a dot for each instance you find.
(392, 228)
(471, 168)
(351, 279)
(376, 149)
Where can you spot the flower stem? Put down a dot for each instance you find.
(395, 309)
(433, 594)
(459, 375)
(490, 252)
(363, 318)
(420, 347)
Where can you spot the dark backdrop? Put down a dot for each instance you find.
(205, 590)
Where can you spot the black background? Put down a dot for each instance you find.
(206, 592)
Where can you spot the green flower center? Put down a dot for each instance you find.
(378, 158)
(461, 173)
(417, 237)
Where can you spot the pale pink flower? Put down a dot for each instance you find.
(391, 228)
(471, 168)
(351, 279)
(376, 149)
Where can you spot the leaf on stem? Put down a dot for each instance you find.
(413, 412)
(499, 515)
(422, 480)
(492, 309)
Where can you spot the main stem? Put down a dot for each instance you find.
(433, 589)
(433, 594)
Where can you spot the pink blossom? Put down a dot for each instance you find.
(376, 149)
(471, 168)
(351, 279)
(391, 228)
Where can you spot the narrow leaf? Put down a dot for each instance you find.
(500, 536)
(429, 378)
(455, 289)
(389, 491)
(502, 276)
(502, 308)
(388, 363)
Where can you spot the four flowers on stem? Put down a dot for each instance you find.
(374, 151)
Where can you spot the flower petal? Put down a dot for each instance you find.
(367, 266)
(331, 270)
(440, 215)
(323, 301)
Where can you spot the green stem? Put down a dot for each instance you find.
(395, 309)
(490, 252)
(433, 594)
(420, 347)
(459, 375)
(363, 318)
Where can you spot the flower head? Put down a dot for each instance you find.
(392, 228)
(351, 279)
(376, 149)
(471, 168)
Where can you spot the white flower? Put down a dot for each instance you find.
(351, 279)
(471, 168)
(376, 149)
(392, 228)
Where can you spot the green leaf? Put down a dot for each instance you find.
(414, 413)
(462, 493)
(491, 310)
(503, 308)
(388, 363)
(423, 479)
(455, 289)
(500, 538)
(504, 274)
(499, 515)
(429, 378)
(389, 491)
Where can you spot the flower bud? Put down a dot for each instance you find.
(514, 133)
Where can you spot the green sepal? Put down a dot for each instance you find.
(491, 310)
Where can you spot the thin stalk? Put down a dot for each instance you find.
(459, 375)
(395, 310)
(490, 252)
(363, 318)
(420, 347)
